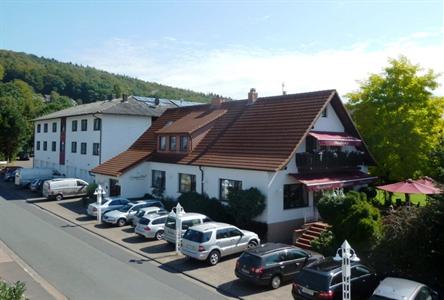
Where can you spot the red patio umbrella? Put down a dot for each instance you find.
(427, 181)
(410, 187)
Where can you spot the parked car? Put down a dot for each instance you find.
(108, 203)
(324, 281)
(9, 173)
(25, 176)
(37, 184)
(124, 215)
(211, 241)
(271, 264)
(151, 226)
(64, 187)
(188, 220)
(146, 211)
(403, 289)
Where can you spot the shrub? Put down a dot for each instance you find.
(90, 190)
(244, 205)
(12, 292)
(211, 207)
(325, 243)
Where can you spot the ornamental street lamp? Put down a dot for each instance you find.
(99, 192)
(177, 213)
(347, 255)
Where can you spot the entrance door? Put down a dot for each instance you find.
(114, 187)
(317, 195)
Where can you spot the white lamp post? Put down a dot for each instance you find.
(177, 212)
(99, 192)
(347, 255)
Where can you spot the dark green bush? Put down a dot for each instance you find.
(325, 243)
(211, 207)
(12, 291)
(244, 205)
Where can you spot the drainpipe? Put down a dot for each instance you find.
(202, 180)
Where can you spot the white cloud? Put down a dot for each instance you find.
(233, 70)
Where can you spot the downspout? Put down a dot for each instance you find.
(202, 180)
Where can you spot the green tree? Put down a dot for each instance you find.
(12, 291)
(399, 118)
(2, 72)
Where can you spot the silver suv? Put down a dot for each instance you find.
(211, 241)
(125, 214)
(151, 226)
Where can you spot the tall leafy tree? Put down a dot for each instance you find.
(399, 118)
(13, 129)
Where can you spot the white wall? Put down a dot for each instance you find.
(120, 132)
(48, 158)
(329, 123)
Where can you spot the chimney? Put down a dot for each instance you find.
(216, 101)
(156, 101)
(124, 98)
(252, 96)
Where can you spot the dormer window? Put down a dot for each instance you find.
(173, 143)
(162, 143)
(324, 113)
(183, 143)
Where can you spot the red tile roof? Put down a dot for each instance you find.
(192, 121)
(259, 136)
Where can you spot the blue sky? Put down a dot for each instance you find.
(227, 47)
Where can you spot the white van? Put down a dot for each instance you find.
(64, 187)
(188, 220)
(25, 176)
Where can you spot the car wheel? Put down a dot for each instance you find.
(275, 282)
(252, 244)
(159, 235)
(121, 222)
(214, 257)
(59, 197)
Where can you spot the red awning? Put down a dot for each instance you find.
(318, 182)
(335, 138)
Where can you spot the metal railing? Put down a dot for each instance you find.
(328, 160)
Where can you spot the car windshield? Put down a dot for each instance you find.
(144, 221)
(125, 208)
(250, 260)
(171, 222)
(313, 280)
(197, 236)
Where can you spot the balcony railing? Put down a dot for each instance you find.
(328, 161)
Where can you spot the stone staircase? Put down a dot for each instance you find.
(309, 231)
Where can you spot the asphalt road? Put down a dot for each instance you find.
(83, 266)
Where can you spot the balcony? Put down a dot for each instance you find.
(323, 161)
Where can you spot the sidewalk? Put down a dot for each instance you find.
(13, 269)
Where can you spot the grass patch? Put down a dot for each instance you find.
(414, 198)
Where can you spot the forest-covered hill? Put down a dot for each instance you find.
(82, 83)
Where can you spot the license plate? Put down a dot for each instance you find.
(307, 291)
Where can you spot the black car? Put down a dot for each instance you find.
(324, 281)
(271, 264)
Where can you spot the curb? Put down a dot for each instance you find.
(228, 293)
(34, 275)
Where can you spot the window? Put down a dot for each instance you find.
(73, 147)
(272, 259)
(53, 146)
(190, 223)
(295, 196)
(324, 113)
(84, 125)
(183, 143)
(45, 127)
(173, 143)
(54, 127)
(187, 183)
(74, 125)
(337, 279)
(38, 145)
(45, 145)
(295, 254)
(222, 234)
(82, 148)
(225, 185)
(96, 148)
(311, 144)
(158, 179)
(359, 271)
(97, 124)
(39, 127)
(159, 221)
(81, 183)
(234, 232)
(424, 294)
(162, 143)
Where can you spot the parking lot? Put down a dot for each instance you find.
(221, 276)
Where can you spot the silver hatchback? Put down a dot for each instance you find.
(211, 241)
(151, 226)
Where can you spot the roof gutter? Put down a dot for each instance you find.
(202, 177)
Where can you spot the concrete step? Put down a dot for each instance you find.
(307, 236)
(313, 233)
(303, 245)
